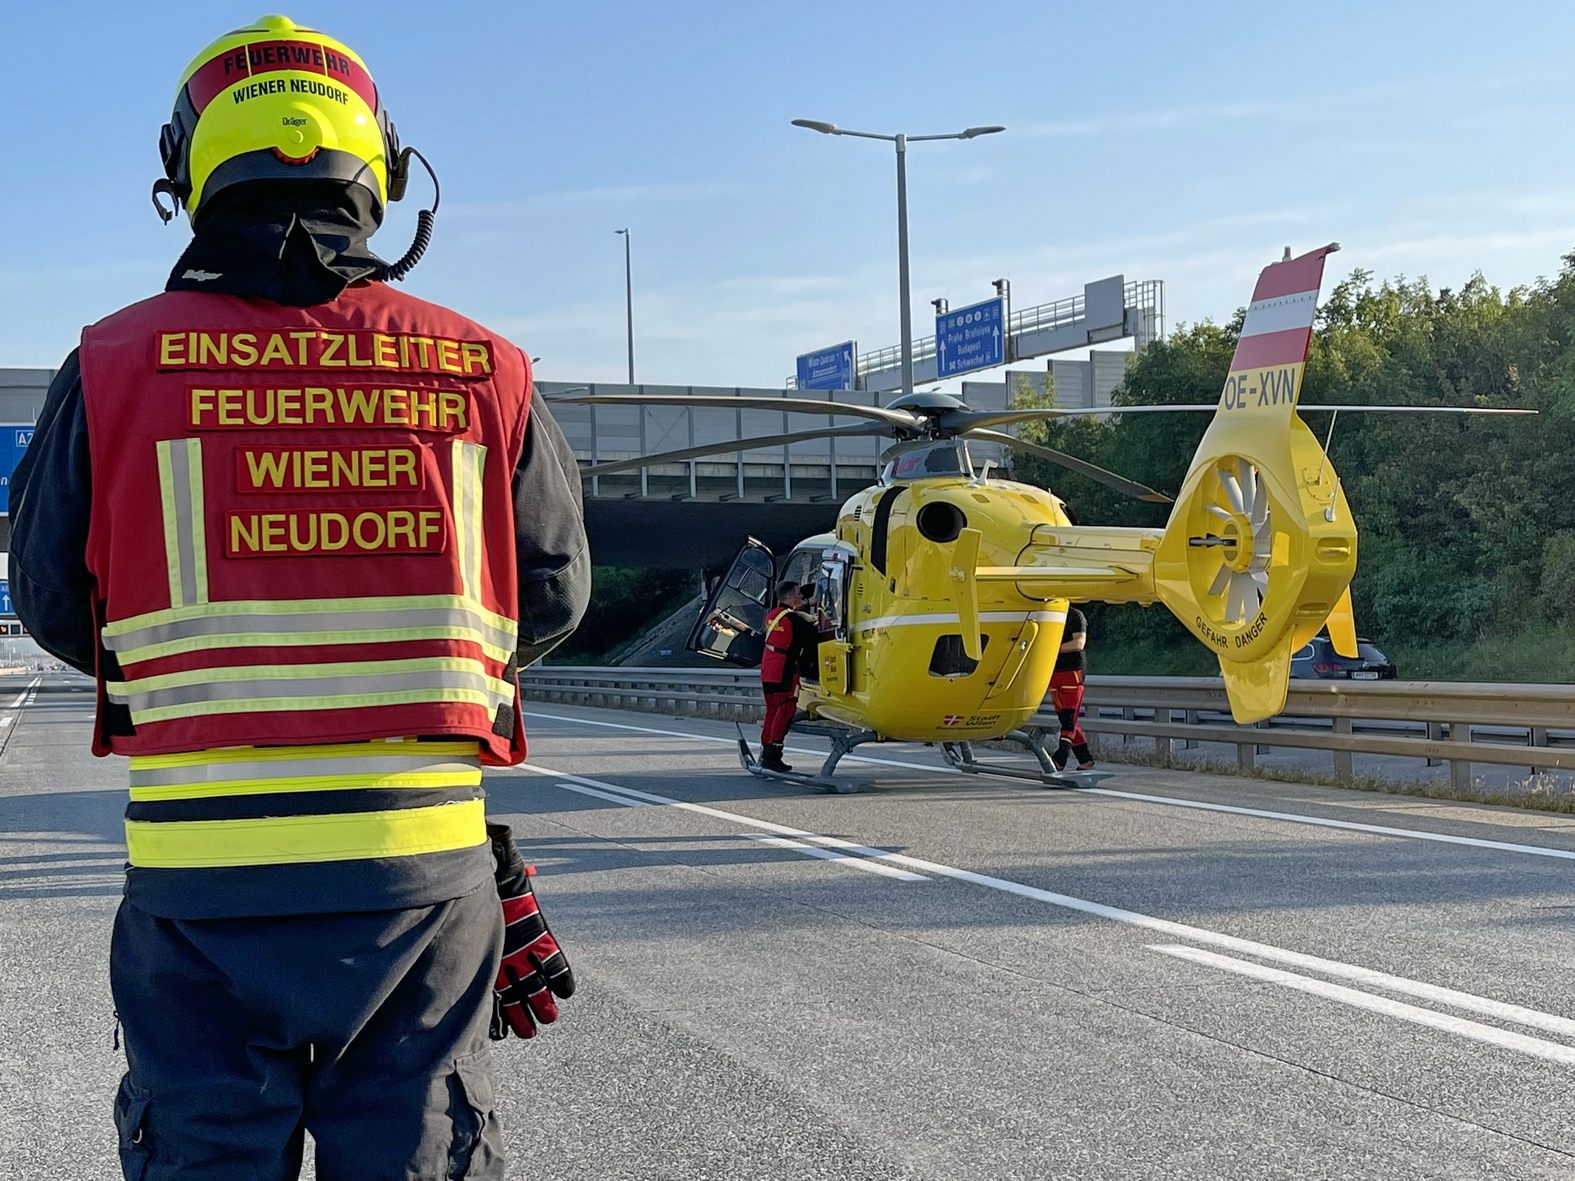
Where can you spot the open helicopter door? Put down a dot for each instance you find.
(832, 588)
(732, 624)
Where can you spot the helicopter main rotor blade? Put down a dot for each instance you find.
(830, 432)
(959, 421)
(900, 419)
(1500, 410)
(1082, 467)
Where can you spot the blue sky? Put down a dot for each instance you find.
(1183, 142)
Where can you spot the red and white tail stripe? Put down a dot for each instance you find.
(1279, 320)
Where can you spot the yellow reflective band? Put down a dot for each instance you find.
(263, 705)
(254, 787)
(171, 526)
(379, 748)
(468, 460)
(185, 534)
(301, 672)
(196, 522)
(285, 840)
(303, 607)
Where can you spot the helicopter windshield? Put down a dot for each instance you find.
(945, 458)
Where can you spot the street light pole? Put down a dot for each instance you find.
(901, 142)
(902, 262)
(628, 298)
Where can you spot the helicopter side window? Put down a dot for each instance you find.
(949, 660)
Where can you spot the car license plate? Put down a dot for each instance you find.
(1364, 676)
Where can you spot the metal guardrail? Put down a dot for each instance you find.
(1458, 723)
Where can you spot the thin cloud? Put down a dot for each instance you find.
(1146, 120)
(606, 195)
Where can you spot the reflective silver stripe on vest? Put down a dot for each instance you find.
(310, 691)
(279, 627)
(469, 459)
(185, 534)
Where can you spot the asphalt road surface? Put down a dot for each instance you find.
(1177, 976)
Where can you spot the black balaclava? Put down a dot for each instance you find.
(293, 242)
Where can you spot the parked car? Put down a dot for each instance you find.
(1319, 660)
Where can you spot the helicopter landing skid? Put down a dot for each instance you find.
(960, 755)
(842, 741)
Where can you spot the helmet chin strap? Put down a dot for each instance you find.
(396, 271)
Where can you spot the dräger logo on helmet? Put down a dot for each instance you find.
(293, 121)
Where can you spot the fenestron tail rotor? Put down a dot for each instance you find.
(1243, 540)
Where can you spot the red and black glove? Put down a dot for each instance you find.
(534, 970)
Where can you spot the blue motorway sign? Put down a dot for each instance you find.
(970, 338)
(14, 438)
(829, 369)
(5, 598)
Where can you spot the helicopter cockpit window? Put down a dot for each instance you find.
(831, 590)
(943, 459)
(751, 576)
(732, 625)
(802, 566)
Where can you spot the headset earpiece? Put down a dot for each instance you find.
(398, 163)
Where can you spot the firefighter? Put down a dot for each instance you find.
(1066, 693)
(791, 642)
(304, 529)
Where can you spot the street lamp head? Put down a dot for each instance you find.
(816, 125)
(976, 131)
(625, 230)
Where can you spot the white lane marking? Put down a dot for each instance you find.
(22, 700)
(808, 850)
(22, 696)
(1138, 797)
(1537, 1047)
(604, 795)
(633, 797)
(1322, 822)
(1486, 1006)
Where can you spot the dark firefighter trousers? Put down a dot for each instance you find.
(781, 705)
(368, 1030)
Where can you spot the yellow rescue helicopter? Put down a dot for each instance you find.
(943, 589)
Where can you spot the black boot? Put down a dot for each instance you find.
(771, 757)
(1085, 757)
(1063, 754)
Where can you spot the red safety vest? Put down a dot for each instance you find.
(774, 667)
(302, 522)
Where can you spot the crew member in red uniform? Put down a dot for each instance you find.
(305, 530)
(791, 643)
(1066, 693)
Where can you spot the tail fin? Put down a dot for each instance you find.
(1260, 545)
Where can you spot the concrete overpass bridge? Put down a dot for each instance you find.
(695, 513)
